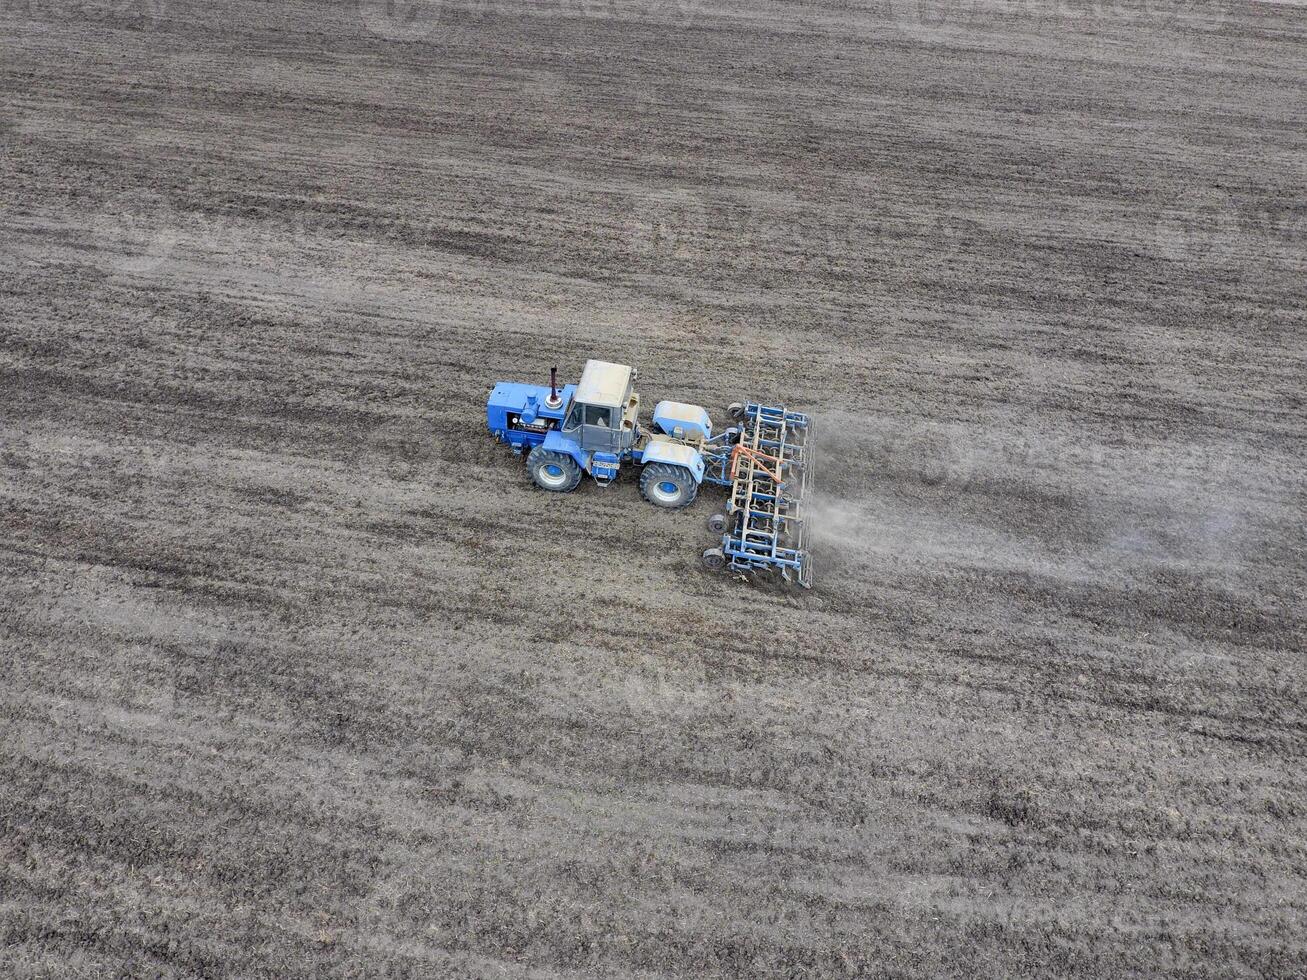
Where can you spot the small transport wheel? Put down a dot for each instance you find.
(717, 523)
(553, 471)
(668, 485)
(735, 410)
(714, 559)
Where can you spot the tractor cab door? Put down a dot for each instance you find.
(598, 429)
(572, 424)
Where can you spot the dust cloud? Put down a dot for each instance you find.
(1018, 501)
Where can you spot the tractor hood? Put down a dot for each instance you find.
(512, 403)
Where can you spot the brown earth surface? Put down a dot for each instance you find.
(300, 675)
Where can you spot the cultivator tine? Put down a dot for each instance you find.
(807, 487)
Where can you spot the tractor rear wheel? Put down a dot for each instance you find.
(556, 472)
(668, 485)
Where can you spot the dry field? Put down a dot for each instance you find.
(300, 676)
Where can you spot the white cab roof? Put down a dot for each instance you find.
(603, 384)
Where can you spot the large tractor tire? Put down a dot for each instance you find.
(556, 472)
(668, 485)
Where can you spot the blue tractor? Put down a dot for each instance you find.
(594, 427)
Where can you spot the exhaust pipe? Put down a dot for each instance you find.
(554, 400)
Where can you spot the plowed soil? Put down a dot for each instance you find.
(301, 676)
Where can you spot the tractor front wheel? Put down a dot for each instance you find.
(668, 485)
(556, 472)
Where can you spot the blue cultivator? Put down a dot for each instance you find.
(593, 427)
(771, 469)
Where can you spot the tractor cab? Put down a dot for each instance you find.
(602, 418)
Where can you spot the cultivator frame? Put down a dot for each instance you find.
(769, 470)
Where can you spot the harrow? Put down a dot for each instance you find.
(769, 469)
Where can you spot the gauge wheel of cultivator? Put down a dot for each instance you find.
(713, 559)
(735, 410)
(553, 471)
(668, 485)
(717, 523)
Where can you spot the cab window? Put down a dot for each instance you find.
(596, 415)
(573, 418)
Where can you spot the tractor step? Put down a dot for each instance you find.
(604, 468)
